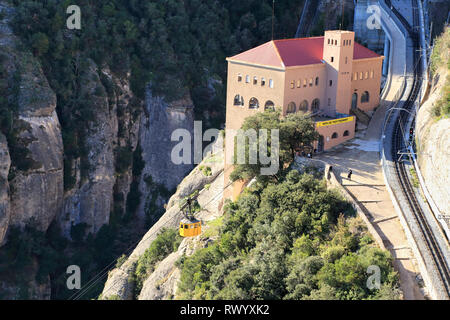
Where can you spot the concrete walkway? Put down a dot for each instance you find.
(367, 184)
(368, 187)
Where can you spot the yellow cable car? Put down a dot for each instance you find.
(189, 226)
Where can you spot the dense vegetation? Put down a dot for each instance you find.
(289, 240)
(165, 243)
(295, 131)
(441, 58)
(30, 253)
(177, 47)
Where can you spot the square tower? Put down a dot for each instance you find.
(338, 56)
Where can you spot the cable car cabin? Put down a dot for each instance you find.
(190, 228)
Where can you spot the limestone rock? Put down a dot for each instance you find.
(5, 162)
(209, 198)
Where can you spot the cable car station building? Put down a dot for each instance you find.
(326, 76)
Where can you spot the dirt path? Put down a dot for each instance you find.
(368, 187)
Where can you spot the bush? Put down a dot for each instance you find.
(165, 243)
(293, 239)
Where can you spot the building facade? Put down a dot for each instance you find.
(326, 76)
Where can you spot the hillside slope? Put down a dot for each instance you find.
(433, 128)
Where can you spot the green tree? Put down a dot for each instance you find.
(294, 131)
(40, 43)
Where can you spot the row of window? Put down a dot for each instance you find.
(303, 106)
(269, 105)
(362, 75)
(255, 80)
(304, 83)
(344, 42)
(335, 134)
(253, 103)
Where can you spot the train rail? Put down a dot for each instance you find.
(398, 144)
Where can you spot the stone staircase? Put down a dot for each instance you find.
(360, 115)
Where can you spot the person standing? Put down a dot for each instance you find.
(349, 175)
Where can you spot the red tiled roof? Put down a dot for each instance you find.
(294, 52)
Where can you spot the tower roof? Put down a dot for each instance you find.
(294, 52)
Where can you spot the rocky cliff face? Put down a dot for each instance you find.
(5, 162)
(35, 187)
(158, 122)
(166, 274)
(91, 201)
(433, 139)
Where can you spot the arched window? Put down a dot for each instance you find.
(253, 104)
(263, 82)
(334, 135)
(365, 97)
(317, 81)
(310, 82)
(247, 79)
(270, 83)
(331, 83)
(291, 108)
(269, 105)
(315, 105)
(303, 106)
(238, 100)
(255, 80)
(239, 77)
(299, 83)
(346, 133)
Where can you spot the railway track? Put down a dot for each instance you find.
(398, 143)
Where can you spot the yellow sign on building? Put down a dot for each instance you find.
(335, 121)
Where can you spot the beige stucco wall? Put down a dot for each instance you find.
(338, 55)
(327, 132)
(308, 93)
(236, 114)
(372, 85)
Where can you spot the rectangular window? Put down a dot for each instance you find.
(311, 82)
(263, 82)
(305, 84)
(371, 74)
(329, 102)
(332, 59)
(366, 75)
(292, 84)
(271, 83)
(355, 76)
(255, 80)
(346, 59)
(299, 83)
(360, 76)
(239, 77)
(247, 79)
